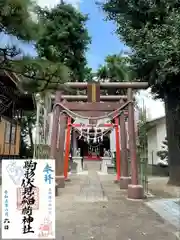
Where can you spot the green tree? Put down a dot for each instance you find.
(40, 75)
(27, 125)
(151, 30)
(142, 131)
(64, 38)
(17, 18)
(115, 69)
(88, 74)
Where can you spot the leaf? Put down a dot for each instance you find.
(64, 39)
(151, 30)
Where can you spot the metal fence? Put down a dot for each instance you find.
(143, 173)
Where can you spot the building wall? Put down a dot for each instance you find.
(152, 145)
(156, 136)
(161, 133)
(5, 147)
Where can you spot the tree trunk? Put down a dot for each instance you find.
(172, 107)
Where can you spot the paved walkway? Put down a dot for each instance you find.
(169, 209)
(91, 189)
(93, 207)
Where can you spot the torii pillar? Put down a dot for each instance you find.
(125, 180)
(58, 133)
(135, 190)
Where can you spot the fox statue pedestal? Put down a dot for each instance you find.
(104, 165)
(77, 160)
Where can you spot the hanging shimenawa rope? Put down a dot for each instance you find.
(98, 137)
(113, 114)
(72, 114)
(90, 138)
(87, 137)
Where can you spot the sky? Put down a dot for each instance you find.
(104, 42)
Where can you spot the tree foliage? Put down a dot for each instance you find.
(37, 74)
(116, 69)
(64, 38)
(151, 29)
(27, 125)
(88, 74)
(142, 130)
(16, 19)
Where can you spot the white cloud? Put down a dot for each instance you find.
(52, 3)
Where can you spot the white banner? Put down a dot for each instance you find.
(28, 199)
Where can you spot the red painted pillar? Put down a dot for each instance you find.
(67, 148)
(118, 155)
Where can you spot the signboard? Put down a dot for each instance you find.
(28, 199)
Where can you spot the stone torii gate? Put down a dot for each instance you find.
(95, 106)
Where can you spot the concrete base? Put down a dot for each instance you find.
(77, 161)
(104, 164)
(67, 180)
(135, 192)
(56, 190)
(124, 182)
(60, 181)
(117, 181)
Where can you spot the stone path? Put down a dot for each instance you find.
(91, 190)
(100, 219)
(116, 218)
(169, 209)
